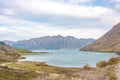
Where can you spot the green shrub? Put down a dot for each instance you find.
(113, 61)
(86, 67)
(102, 64)
(112, 75)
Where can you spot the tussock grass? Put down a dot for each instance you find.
(41, 66)
(13, 74)
(111, 61)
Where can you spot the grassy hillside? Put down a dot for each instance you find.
(22, 51)
(7, 53)
(5, 48)
(13, 74)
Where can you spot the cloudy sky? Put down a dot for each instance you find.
(25, 19)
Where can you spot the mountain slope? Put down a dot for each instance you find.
(7, 53)
(110, 42)
(5, 48)
(52, 42)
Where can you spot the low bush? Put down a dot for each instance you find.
(86, 67)
(102, 64)
(112, 75)
(113, 61)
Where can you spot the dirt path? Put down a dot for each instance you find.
(117, 70)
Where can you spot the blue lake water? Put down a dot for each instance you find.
(69, 58)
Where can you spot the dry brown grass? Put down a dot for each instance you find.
(47, 72)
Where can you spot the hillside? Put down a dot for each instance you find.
(110, 42)
(51, 42)
(5, 48)
(7, 53)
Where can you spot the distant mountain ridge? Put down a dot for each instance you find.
(51, 42)
(110, 42)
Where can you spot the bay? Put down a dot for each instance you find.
(69, 58)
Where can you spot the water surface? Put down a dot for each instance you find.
(69, 58)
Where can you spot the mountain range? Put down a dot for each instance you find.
(110, 42)
(50, 42)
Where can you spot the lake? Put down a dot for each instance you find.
(69, 58)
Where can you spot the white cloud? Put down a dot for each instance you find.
(115, 0)
(117, 7)
(38, 7)
(51, 7)
(54, 8)
(79, 1)
(7, 12)
(6, 20)
(61, 9)
(20, 29)
(21, 32)
(111, 20)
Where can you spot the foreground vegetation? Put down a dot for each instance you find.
(13, 74)
(10, 69)
(111, 62)
(103, 71)
(42, 71)
(41, 66)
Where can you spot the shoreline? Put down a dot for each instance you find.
(99, 73)
(22, 60)
(62, 73)
(31, 53)
(67, 67)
